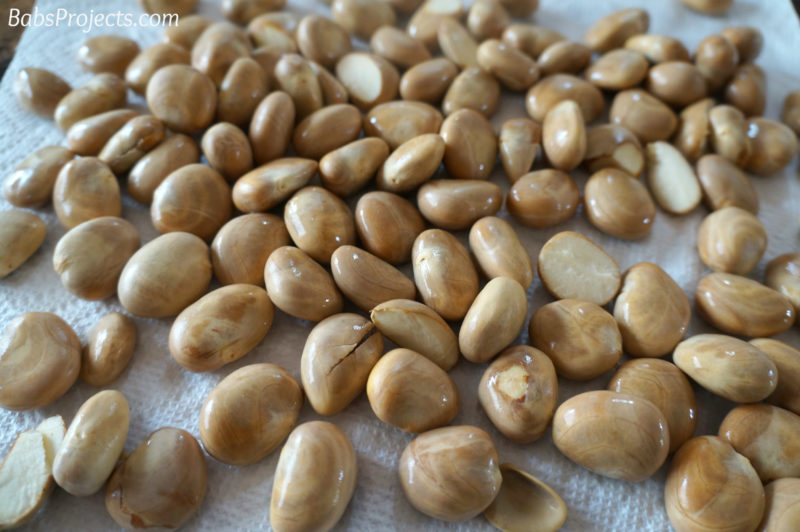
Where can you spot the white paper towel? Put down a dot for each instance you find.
(161, 393)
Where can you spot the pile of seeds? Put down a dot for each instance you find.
(296, 124)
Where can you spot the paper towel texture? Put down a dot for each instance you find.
(161, 393)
